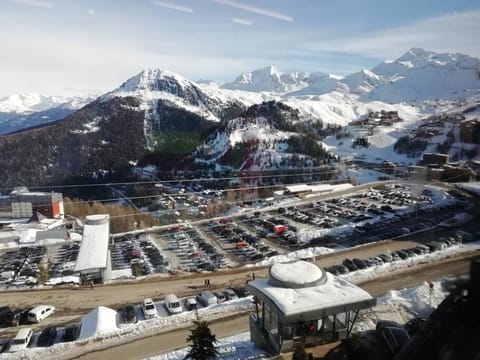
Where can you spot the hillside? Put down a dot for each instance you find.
(264, 120)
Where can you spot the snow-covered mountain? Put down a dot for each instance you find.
(20, 111)
(268, 79)
(29, 103)
(416, 76)
(263, 120)
(424, 75)
(161, 93)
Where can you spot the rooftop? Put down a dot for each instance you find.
(94, 247)
(301, 290)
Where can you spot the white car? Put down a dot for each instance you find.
(21, 340)
(149, 309)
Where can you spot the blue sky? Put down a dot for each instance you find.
(62, 47)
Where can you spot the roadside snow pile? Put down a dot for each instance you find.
(230, 348)
(421, 301)
(403, 305)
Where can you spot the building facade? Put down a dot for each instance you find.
(22, 203)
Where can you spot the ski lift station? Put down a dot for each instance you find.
(300, 300)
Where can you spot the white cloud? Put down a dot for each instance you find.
(91, 12)
(37, 3)
(455, 32)
(242, 21)
(254, 9)
(86, 67)
(172, 6)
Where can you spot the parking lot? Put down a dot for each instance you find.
(360, 217)
(366, 216)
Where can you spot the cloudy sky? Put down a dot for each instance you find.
(62, 47)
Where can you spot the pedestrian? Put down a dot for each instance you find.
(208, 283)
(205, 282)
(253, 276)
(91, 284)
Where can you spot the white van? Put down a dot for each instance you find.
(207, 298)
(173, 304)
(21, 340)
(40, 312)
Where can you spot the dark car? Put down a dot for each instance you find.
(240, 291)
(385, 257)
(72, 333)
(16, 317)
(47, 336)
(350, 265)
(4, 311)
(4, 345)
(333, 270)
(361, 264)
(395, 337)
(129, 314)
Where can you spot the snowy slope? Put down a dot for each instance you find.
(28, 103)
(152, 85)
(415, 76)
(268, 79)
(422, 75)
(21, 111)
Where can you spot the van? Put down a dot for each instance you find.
(40, 312)
(173, 304)
(207, 298)
(21, 340)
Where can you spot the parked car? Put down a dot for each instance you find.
(241, 291)
(4, 345)
(230, 294)
(173, 304)
(148, 308)
(207, 298)
(220, 296)
(350, 265)
(129, 313)
(40, 312)
(47, 336)
(15, 317)
(21, 340)
(190, 304)
(4, 312)
(71, 333)
(393, 334)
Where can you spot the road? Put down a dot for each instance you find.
(73, 302)
(170, 341)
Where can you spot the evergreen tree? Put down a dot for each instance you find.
(202, 342)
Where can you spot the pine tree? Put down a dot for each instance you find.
(202, 342)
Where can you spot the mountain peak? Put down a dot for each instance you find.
(268, 79)
(153, 80)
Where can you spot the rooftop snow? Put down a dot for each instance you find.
(335, 292)
(93, 251)
(296, 273)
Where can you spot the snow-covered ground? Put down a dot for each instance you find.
(237, 347)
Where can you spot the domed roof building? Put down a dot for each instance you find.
(301, 300)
